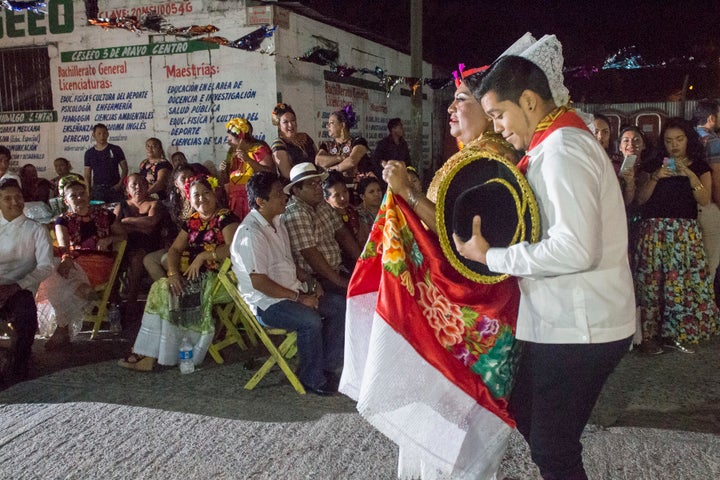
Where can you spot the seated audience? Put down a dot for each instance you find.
(26, 259)
(178, 209)
(63, 167)
(338, 197)
(275, 290)
(155, 168)
(371, 194)
(206, 235)
(85, 236)
(317, 234)
(140, 215)
(5, 157)
(291, 147)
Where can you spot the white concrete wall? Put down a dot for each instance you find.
(183, 92)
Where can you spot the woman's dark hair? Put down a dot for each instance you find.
(176, 198)
(639, 133)
(346, 116)
(159, 144)
(334, 177)
(365, 182)
(260, 185)
(280, 110)
(695, 150)
(509, 77)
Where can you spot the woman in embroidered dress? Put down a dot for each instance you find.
(291, 147)
(245, 156)
(85, 235)
(206, 235)
(417, 283)
(676, 298)
(343, 152)
(155, 168)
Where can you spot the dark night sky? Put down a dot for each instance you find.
(475, 32)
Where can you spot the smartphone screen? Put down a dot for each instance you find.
(628, 163)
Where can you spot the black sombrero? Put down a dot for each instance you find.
(484, 183)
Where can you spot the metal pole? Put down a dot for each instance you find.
(416, 59)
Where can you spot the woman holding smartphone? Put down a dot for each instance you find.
(673, 289)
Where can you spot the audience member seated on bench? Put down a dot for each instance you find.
(26, 259)
(270, 283)
(206, 235)
(140, 216)
(85, 236)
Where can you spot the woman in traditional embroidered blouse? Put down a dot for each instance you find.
(343, 152)
(155, 168)
(85, 235)
(245, 156)
(206, 235)
(291, 147)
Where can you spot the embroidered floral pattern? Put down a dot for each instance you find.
(483, 344)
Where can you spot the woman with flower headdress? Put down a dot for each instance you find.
(180, 305)
(85, 235)
(428, 351)
(246, 156)
(291, 147)
(344, 152)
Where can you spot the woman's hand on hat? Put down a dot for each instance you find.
(396, 176)
(476, 247)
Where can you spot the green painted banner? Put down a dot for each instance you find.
(28, 117)
(129, 51)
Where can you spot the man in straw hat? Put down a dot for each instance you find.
(577, 306)
(317, 233)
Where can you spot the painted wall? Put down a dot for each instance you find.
(184, 91)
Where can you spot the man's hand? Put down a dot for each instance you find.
(476, 248)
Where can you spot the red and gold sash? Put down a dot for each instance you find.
(558, 118)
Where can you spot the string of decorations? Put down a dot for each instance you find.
(35, 7)
(328, 57)
(156, 23)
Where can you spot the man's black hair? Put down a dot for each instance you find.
(394, 122)
(703, 110)
(260, 185)
(509, 77)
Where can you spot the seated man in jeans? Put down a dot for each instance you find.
(26, 259)
(269, 283)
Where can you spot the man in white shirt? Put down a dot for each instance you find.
(26, 259)
(577, 305)
(268, 281)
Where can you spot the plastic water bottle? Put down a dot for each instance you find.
(114, 317)
(186, 356)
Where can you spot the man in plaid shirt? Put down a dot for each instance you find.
(316, 232)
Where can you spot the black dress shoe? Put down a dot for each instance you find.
(323, 390)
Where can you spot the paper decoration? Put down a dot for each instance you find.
(35, 7)
(252, 40)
